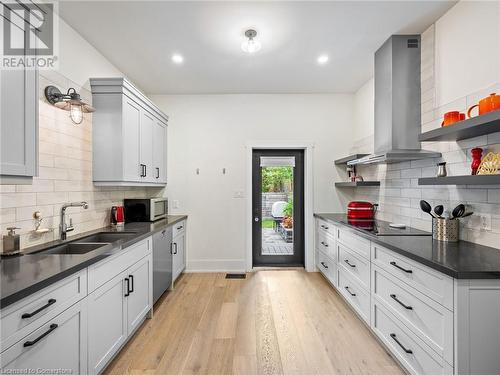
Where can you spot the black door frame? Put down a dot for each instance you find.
(297, 259)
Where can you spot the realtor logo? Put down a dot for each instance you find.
(28, 34)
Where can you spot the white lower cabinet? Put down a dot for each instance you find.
(61, 343)
(412, 352)
(433, 324)
(178, 250)
(107, 322)
(116, 309)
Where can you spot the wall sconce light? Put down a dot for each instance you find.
(70, 101)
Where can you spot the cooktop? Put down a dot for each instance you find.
(382, 228)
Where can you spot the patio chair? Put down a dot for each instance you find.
(277, 213)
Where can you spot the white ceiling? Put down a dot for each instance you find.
(139, 37)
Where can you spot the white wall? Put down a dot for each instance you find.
(467, 49)
(364, 117)
(210, 132)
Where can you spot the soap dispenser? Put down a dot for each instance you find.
(11, 242)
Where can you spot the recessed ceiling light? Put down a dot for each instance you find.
(251, 45)
(322, 59)
(178, 59)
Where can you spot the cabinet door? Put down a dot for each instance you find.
(160, 151)
(179, 255)
(107, 322)
(132, 170)
(147, 125)
(139, 300)
(18, 121)
(58, 344)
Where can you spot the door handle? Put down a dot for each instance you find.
(393, 335)
(143, 170)
(157, 172)
(172, 245)
(127, 281)
(29, 315)
(131, 283)
(33, 342)
(349, 291)
(256, 219)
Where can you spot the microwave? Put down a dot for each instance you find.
(150, 209)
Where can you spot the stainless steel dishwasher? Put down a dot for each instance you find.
(162, 262)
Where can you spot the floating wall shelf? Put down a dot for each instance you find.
(344, 160)
(357, 184)
(474, 127)
(461, 180)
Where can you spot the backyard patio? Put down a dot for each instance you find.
(273, 242)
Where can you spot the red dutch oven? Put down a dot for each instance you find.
(360, 210)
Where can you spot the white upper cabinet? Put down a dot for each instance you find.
(18, 123)
(129, 135)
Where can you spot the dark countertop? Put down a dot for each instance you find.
(26, 274)
(460, 260)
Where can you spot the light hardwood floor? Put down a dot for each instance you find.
(274, 322)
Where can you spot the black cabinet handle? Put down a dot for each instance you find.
(324, 227)
(179, 228)
(157, 172)
(349, 291)
(393, 296)
(33, 342)
(324, 244)
(172, 246)
(401, 268)
(143, 170)
(127, 281)
(131, 277)
(324, 265)
(29, 315)
(351, 265)
(393, 335)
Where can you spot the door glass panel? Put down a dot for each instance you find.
(277, 205)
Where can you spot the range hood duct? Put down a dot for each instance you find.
(397, 103)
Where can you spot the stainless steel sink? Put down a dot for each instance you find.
(71, 248)
(105, 237)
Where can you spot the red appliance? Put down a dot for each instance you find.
(117, 215)
(361, 210)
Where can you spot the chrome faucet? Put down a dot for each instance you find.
(64, 228)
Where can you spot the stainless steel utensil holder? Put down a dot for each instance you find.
(445, 229)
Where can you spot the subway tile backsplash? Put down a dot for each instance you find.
(65, 175)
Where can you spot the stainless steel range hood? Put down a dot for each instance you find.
(397, 103)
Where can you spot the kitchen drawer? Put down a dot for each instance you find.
(25, 316)
(327, 267)
(356, 265)
(429, 320)
(179, 228)
(354, 242)
(357, 296)
(412, 352)
(105, 270)
(326, 244)
(326, 227)
(433, 284)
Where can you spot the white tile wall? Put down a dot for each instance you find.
(399, 194)
(65, 175)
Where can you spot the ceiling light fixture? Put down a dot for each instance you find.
(178, 59)
(251, 45)
(322, 59)
(70, 101)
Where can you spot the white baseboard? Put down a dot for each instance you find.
(215, 265)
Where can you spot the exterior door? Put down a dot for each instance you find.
(278, 207)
